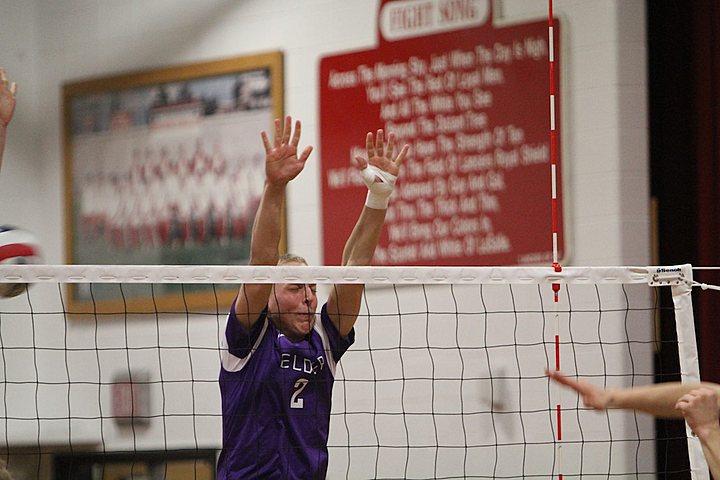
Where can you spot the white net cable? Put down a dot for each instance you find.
(445, 378)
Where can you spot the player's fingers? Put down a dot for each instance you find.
(305, 154)
(403, 153)
(369, 145)
(266, 142)
(705, 392)
(13, 88)
(278, 132)
(390, 146)
(554, 374)
(3, 78)
(379, 144)
(360, 163)
(563, 380)
(286, 130)
(296, 134)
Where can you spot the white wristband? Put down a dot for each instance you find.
(379, 193)
(378, 202)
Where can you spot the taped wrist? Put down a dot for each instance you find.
(378, 191)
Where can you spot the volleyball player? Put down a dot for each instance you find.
(697, 403)
(7, 107)
(279, 355)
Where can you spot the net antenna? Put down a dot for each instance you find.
(553, 145)
(556, 261)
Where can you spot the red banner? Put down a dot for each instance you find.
(472, 101)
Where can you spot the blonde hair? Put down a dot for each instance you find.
(288, 258)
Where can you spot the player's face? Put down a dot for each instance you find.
(293, 305)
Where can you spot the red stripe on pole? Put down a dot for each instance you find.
(552, 77)
(550, 12)
(557, 352)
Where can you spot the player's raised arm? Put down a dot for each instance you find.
(282, 164)
(7, 107)
(379, 172)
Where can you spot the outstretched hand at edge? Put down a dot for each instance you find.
(7, 99)
(592, 396)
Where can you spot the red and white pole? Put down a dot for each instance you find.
(556, 262)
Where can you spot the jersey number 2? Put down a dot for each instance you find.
(295, 400)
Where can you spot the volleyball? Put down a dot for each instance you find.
(17, 247)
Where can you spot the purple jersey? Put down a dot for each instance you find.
(276, 399)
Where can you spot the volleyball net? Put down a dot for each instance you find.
(446, 378)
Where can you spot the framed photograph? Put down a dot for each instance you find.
(166, 167)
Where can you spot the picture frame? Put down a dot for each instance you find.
(166, 167)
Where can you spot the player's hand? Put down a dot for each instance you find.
(700, 409)
(381, 168)
(592, 396)
(380, 155)
(282, 163)
(7, 99)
